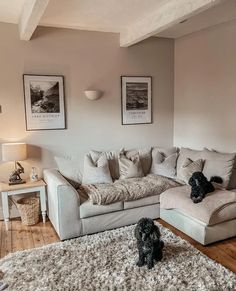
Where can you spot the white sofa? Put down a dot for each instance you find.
(71, 216)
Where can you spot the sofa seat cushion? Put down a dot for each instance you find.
(216, 207)
(142, 202)
(88, 209)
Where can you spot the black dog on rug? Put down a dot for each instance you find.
(201, 186)
(149, 242)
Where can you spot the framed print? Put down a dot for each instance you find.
(44, 102)
(136, 100)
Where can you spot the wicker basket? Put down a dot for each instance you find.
(29, 210)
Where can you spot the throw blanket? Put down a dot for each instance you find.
(128, 189)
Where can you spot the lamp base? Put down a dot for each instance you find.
(17, 182)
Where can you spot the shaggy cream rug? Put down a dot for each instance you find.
(106, 261)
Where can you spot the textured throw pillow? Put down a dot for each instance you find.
(112, 157)
(188, 168)
(145, 156)
(96, 172)
(164, 166)
(130, 167)
(159, 155)
(218, 164)
(70, 170)
(185, 153)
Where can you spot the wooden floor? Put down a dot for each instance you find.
(20, 237)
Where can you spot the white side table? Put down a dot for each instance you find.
(29, 187)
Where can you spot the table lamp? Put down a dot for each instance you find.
(15, 152)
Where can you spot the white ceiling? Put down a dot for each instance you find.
(98, 15)
(221, 13)
(10, 10)
(134, 19)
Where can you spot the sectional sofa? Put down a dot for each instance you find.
(73, 214)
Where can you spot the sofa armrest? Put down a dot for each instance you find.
(63, 205)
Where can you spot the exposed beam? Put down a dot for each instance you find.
(167, 15)
(31, 14)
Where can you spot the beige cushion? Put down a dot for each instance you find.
(142, 202)
(163, 165)
(130, 167)
(88, 209)
(69, 169)
(112, 157)
(185, 153)
(188, 168)
(218, 164)
(145, 156)
(215, 163)
(216, 207)
(96, 172)
(232, 181)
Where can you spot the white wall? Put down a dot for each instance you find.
(205, 89)
(87, 60)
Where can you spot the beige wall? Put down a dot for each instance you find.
(205, 89)
(87, 60)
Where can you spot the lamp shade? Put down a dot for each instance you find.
(14, 152)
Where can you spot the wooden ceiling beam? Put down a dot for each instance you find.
(30, 17)
(169, 14)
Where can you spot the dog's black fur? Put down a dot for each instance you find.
(149, 242)
(201, 186)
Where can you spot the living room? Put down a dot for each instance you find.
(183, 50)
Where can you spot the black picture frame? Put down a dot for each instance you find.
(136, 100)
(44, 101)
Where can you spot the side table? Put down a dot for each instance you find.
(29, 187)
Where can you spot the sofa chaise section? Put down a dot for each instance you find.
(211, 220)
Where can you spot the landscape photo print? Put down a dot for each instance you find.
(136, 100)
(44, 102)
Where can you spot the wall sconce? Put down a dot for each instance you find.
(93, 94)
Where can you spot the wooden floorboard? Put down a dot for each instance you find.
(223, 252)
(20, 237)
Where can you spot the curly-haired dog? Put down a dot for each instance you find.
(148, 241)
(201, 186)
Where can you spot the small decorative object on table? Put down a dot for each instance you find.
(34, 175)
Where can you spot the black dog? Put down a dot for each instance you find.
(201, 186)
(148, 241)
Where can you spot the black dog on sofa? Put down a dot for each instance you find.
(201, 186)
(149, 242)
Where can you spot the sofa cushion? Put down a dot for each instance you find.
(188, 168)
(185, 153)
(232, 181)
(88, 209)
(112, 157)
(96, 172)
(145, 156)
(218, 164)
(142, 202)
(163, 165)
(130, 167)
(216, 207)
(215, 163)
(70, 170)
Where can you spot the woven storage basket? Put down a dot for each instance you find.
(29, 210)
